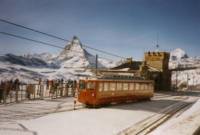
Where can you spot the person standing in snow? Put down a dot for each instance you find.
(66, 88)
(74, 83)
(61, 87)
(16, 87)
(1, 91)
(47, 84)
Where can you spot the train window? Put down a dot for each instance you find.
(106, 86)
(119, 86)
(100, 86)
(146, 86)
(90, 85)
(131, 86)
(125, 86)
(142, 86)
(112, 86)
(150, 86)
(81, 85)
(137, 86)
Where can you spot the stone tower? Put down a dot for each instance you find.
(158, 69)
(157, 60)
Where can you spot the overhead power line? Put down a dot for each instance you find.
(28, 28)
(115, 55)
(37, 41)
(54, 36)
(33, 40)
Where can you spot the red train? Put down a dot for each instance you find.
(100, 92)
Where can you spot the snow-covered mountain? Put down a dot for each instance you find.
(74, 55)
(178, 54)
(72, 62)
(48, 57)
(180, 59)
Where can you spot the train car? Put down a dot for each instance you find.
(98, 92)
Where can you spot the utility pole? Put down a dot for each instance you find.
(96, 66)
(176, 80)
(187, 81)
(193, 80)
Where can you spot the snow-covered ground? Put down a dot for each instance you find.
(107, 120)
(91, 122)
(32, 118)
(192, 77)
(179, 58)
(32, 109)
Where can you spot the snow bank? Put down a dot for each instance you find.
(185, 124)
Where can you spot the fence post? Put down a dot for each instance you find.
(41, 91)
(4, 96)
(10, 96)
(61, 90)
(16, 95)
(21, 89)
(56, 92)
(1, 93)
(34, 91)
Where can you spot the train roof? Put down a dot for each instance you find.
(118, 79)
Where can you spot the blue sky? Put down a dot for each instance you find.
(125, 27)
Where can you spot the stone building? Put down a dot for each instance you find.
(153, 67)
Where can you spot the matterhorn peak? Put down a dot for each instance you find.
(73, 49)
(75, 40)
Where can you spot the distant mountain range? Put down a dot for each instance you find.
(72, 62)
(180, 59)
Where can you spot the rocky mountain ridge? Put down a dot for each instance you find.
(72, 62)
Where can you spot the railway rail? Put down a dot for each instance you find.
(147, 125)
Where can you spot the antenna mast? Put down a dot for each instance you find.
(157, 45)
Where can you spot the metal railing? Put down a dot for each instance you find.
(35, 91)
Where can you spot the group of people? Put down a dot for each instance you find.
(54, 88)
(61, 85)
(7, 86)
(58, 87)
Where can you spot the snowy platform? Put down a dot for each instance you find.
(107, 120)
